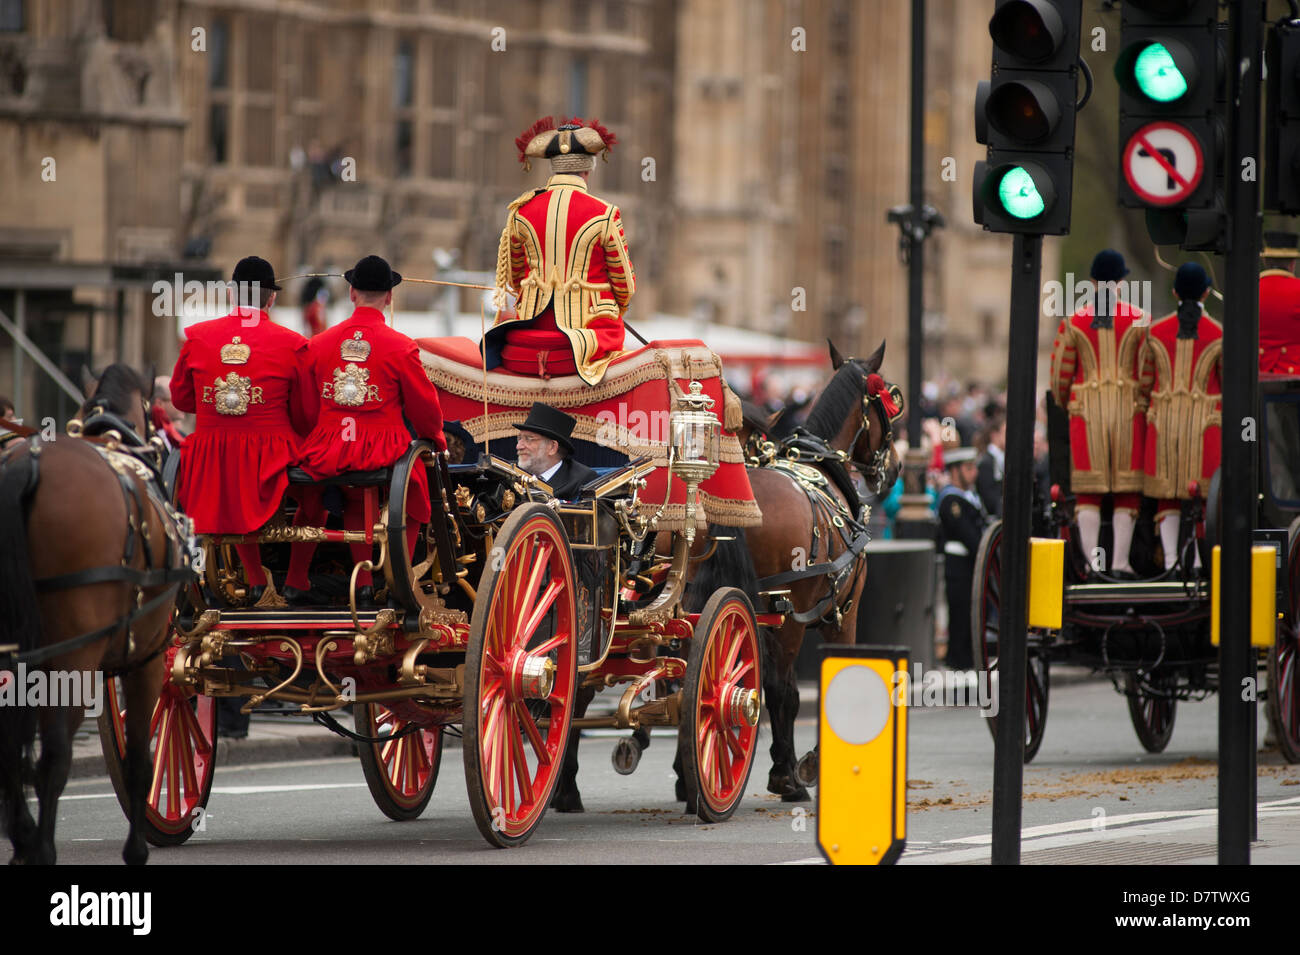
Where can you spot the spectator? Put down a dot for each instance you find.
(988, 482)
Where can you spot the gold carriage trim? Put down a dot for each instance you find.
(350, 387)
(355, 348)
(691, 363)
(233, 394)
(235, 353)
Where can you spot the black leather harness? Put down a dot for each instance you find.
(116, 436)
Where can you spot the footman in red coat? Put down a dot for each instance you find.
(246, 380)
(368, 376)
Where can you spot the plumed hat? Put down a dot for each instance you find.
(572, 147)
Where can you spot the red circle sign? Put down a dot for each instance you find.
(1163, 163)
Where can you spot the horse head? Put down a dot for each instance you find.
(871, 449)
(121, 391)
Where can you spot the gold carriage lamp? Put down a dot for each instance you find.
(696, 437)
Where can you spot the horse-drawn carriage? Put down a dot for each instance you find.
(512, 603)
(1152, 636)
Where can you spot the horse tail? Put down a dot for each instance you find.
(19, 623)
(730, 565)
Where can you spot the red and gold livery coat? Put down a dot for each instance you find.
(570, 265)
(1182, 379)
(367, 376)
(1279, 322)
(1095, 378)
(246, 381)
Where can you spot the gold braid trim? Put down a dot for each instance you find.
(568, 391)
(503, 251)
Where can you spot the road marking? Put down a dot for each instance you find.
(243, 790)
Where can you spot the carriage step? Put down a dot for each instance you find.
(1137, 591)
(292, 618)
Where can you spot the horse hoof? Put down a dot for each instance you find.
(626, 756)
(567, 802)
(680, 790)
(691, 809)
(799, 795)
(779, 783)
(808, 769)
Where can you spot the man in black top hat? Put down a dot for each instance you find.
(544, 450)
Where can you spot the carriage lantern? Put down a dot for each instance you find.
(696, 435)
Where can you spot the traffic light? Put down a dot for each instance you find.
(1025, 115)
(1282, 155)
(1171, 139)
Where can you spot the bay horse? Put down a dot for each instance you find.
(853, 419)
(88, 574)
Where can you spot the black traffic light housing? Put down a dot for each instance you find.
(1178, 47)
(1282, 125)
(1025, 114)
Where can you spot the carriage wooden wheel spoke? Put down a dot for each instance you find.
(986, 606)
(402, 771)
(1152, 713)
(182, 732)
(720, 706)
(522, 650)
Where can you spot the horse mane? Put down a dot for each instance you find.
(115, 390)
(838, 400)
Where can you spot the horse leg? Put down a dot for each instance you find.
(141, 687)
(51, 776)
(567, 798)
(782, 692)
(17, 821)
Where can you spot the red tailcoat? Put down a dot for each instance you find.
(251, 405)
(1095, 377)
(363, 400)
(1182, 378)
(570, 264)
(1279, 321)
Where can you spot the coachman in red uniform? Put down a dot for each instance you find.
(367, 376)
(1095, 377)
(246, 380)
(564, 254)
(1279, 305)
(1182, 383)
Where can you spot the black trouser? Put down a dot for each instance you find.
(958, 572)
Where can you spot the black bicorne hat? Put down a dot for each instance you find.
(550, 423)
(372, 274)
(254, 269)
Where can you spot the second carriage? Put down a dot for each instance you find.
(512, 602)
(1151, 636)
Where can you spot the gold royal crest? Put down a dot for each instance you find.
(232, 394)
(355, 348)
(235, 353)
(350, 386)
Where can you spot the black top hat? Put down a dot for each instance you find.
(550, 423)
(253, 269)
(1280, 245)
(372, 274)
(1108, 266)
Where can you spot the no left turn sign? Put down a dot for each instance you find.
(1163, 163)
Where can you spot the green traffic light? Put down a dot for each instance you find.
(1157, 75)
(1018, 194)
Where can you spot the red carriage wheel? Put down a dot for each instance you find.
(520, 676)
(720, 706)
(1284, 662)
(401, 772)
(985, 619)
(182, 746)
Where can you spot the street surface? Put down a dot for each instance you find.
(1088, 780)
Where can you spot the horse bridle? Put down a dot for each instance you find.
(874, 471)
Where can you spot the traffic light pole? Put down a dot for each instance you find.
(1022, 355)
(1239, 456)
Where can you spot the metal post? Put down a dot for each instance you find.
(1240, 379)
(1009, 747)
(914, 516)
